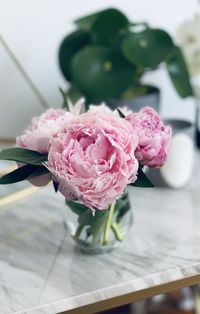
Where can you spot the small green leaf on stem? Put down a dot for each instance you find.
(142, 180)
(120, 113)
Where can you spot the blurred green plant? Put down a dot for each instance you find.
(106, 57)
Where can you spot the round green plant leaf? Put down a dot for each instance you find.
(101, 74)
(85, 23)
(178, 73)
(68, 48)
(109, 28)
(148, 48)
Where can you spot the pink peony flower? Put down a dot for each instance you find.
(42, 129)
(38, 135)
(154, 137)
(93, 160)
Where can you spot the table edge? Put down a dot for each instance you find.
(135, 296)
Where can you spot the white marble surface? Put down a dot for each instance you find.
(42, 272)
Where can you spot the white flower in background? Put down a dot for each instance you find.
(188, 37)
(78, 107)
(103, 108)
(100, 108)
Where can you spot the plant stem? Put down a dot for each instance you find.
(108, 225)
(78, 232)
(117, 232)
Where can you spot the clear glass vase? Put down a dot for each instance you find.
(102, 232)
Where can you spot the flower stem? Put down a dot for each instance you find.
(78, 232)
(117, 232)
(108, 225)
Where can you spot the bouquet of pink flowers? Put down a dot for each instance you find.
(90, 158)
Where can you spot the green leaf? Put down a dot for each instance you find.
(109, 28)
(120, 113)
(76, 207)
(147, 49)
(39, 171)
(23, 155)
(86, 218)
(178, 73)
(122, 206)
(55, 185)
(142, 180)
(85, 23)
(101, 74)
(23, 173)
(68, 48)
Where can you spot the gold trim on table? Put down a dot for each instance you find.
(197, 299)
(6, 170)
(7, 141)
(135, 296)
(16, 196)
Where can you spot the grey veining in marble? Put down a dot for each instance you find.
(42, 272)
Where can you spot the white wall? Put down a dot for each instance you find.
(34, 28)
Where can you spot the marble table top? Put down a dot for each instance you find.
(41, 271)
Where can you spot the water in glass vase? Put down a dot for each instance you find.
(102, 232)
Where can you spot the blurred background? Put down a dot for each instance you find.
(33, 30)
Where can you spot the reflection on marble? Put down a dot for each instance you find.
(42, 272)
